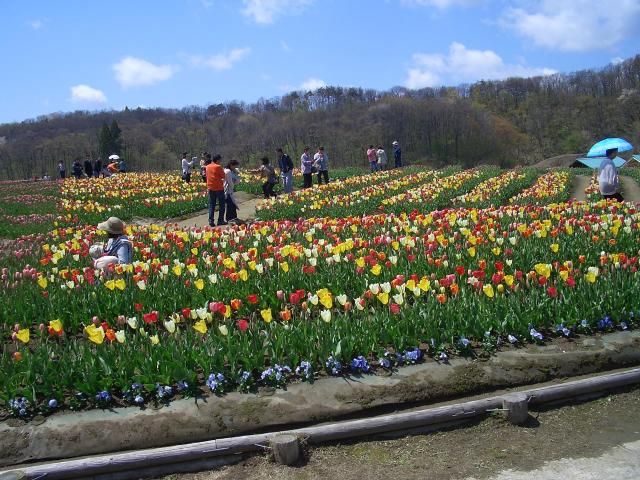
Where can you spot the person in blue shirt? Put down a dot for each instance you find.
(118, 248)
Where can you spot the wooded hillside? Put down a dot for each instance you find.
(515, 121)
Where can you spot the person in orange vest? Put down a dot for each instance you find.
(113, 167)
(215, 186)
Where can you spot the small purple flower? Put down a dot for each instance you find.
(334, 366)
(464, 342)
(103, 397)
(181, 385)
(443, 357)
(413, 356)
(512, 339)
(359, 364)
(52, 404)
(138, 399)
(305, 371)
(605, 323)
(536, 335)
(216, 382)
(623, 325)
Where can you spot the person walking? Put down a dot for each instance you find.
(286, 170)
(306, 165)
(608, 180)
(88, 167)
(267, 172)
(321, 162)
(373, 158)
(97, 168)
(397, 154)
(186, 168)
(215, 187)
(382, 158)
(231, 179)
(62, 170)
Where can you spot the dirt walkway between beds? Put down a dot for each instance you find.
(246, 211)
(630, 189)
(580, 183)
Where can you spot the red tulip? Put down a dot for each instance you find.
(242, 324)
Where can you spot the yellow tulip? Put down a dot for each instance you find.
(120, 284)
(508, 279)
(376, 269)
(199, 284)
(56, 325)
(42, 282)
(590, 277)
(424, 284)
(200, 326)
(266, 315)
(177, 270)
(471, 251)
(23, 335)
(244, 275)
(110, 284)
(95, 334)
(383, 297)
(488, 290)
(554, 247)
(155, 340)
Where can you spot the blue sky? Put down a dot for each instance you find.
(89, 55)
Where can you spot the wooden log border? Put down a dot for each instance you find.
(173, 457)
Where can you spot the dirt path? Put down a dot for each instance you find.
(630, 189)
(580, 183)
(603, 434)
(246, 211)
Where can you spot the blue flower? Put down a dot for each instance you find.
(384, 362)
(139, 399)
(464, 342)
(103, 397)
(443, 357)
(605, 323)
(584, 323)
(536, 335)
(512, 339)
(334, 366)
(623, 325)
(305, 370)
(216, 382)
(413, 356)
(182, 385)
(360, 364)
(53, 403)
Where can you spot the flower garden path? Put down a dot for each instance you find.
(630, 188)
(246, 211)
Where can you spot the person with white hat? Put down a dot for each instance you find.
(397, 154)
(118, 248)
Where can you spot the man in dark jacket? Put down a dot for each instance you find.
(88, 168)
(286, 170)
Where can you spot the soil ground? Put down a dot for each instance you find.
(246, 211)
(575, 438)
(630, 188)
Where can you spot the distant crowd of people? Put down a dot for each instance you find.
(96, 168)
(222, 180)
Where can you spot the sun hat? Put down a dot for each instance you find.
(113, 225)
(395, 142)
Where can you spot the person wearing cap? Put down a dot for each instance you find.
(118, 248)
(186, 167)
(608, 180)
(397, 154)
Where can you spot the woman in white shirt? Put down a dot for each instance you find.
(608, 180)
(231, 178)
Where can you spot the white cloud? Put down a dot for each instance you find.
(574, 25)
(441, 4)
(266, 11)
(87, 94)
(311, 84)
(136, 72)
(36, 24)
(221, 61)
(462, 65)
(617, 60)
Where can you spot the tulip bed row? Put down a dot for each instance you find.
(273, 301)
(552, 187)
(26, 207)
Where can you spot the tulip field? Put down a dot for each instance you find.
(363, 275)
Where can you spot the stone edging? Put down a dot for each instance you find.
(92, 432)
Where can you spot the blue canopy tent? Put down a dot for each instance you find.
(595, 162)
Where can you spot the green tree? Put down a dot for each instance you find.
(104, 141)
(116, 138)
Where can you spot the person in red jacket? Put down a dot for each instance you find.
(215, 186)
